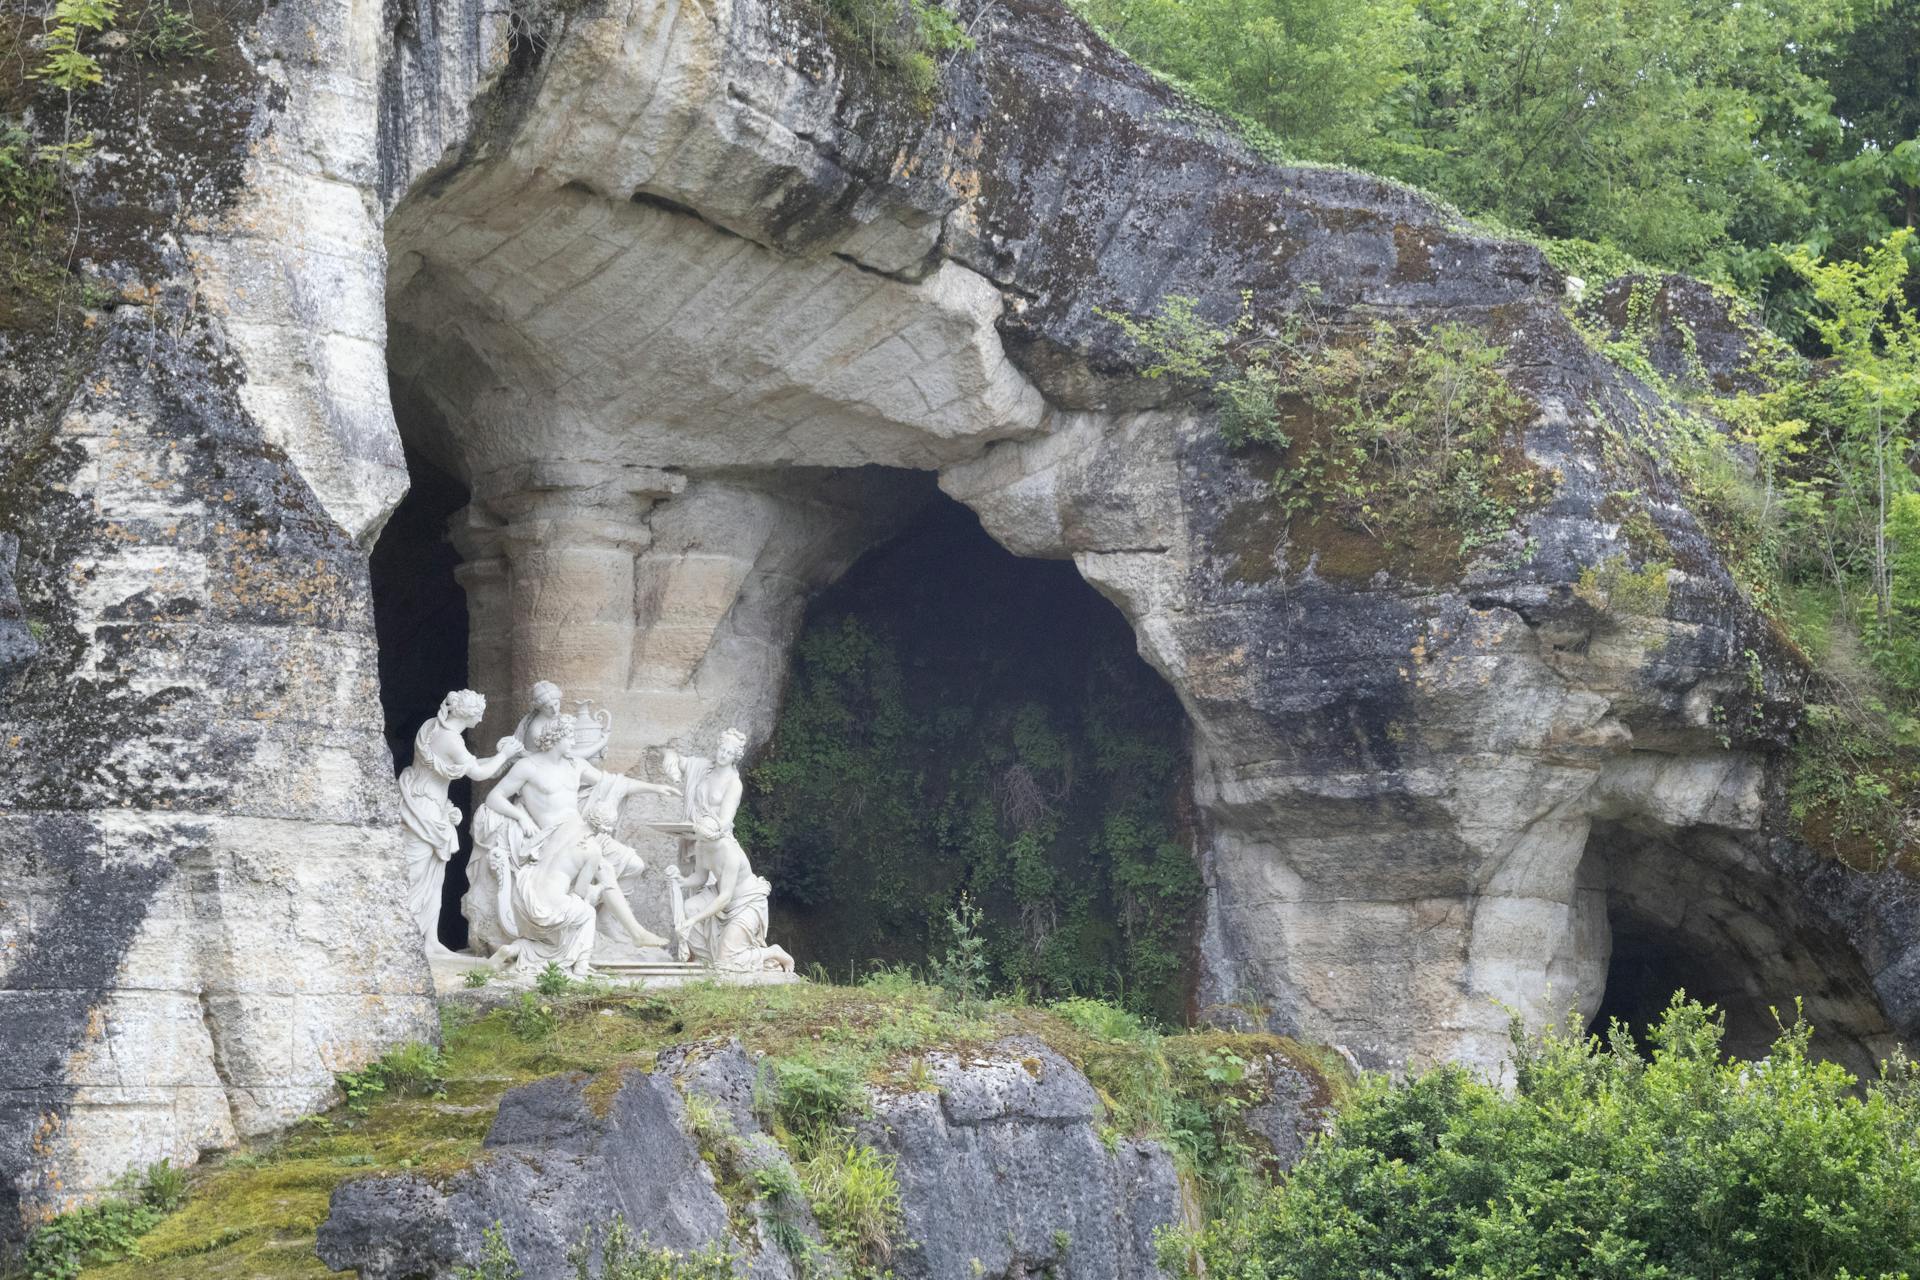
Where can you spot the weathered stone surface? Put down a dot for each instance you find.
(559, 1162)
(1003, 1173)
(1398, 781)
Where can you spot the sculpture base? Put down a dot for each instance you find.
(450, 970)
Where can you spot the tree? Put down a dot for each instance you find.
(1324, 76)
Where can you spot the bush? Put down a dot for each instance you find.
(1603, 1161)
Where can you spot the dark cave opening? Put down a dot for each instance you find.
(1683, 916)
(1651, 962)
(420, 618)
(962, 720)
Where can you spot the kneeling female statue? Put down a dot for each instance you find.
(724, 922)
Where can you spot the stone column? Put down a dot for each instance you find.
(548, 554)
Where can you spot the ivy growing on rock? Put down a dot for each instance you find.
(965, 732)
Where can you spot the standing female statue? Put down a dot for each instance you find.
(724, 923)
(440, 756)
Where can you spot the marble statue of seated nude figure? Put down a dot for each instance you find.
(546, 860)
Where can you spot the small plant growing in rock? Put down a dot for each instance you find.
(553, 980)
(106, 1231)
(1613, 586)
(478, 977)
(856, 1200)
(496, 1259)
(622, 1257)
(962, 971)
(415, 1069)
(532, 1018)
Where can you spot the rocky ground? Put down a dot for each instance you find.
(1037, 1141)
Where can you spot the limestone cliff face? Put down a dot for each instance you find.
(675, 292)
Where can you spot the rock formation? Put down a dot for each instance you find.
(1001, 1168)
(676, 293)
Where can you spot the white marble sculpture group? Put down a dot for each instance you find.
(547, 878)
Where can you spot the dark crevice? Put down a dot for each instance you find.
(420, 615)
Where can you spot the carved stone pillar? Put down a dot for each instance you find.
(548, 554)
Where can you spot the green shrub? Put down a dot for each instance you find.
(531, 1018)
(496, 1259)
(962, 970)
(1602, 1162)
(553, 980)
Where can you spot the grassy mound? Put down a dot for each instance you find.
(253, 1214)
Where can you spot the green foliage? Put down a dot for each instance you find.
(1602, 1162)
(1614, 586)
(622, 1257)
(1322, 77)
(856, 1201)
(105, 1231)
(531, 1017)
(962, 970)
(30, 186)
(167, 32)
(478, 977)
(1390, 435)
(552, 980)
(940, 741)
(64, 64)
(1700, 136)
(496, 1259)
(901, 36)
(813, 1093)
(413, 1069)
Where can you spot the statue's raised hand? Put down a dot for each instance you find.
(509, 745)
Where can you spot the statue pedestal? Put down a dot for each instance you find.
(450, 970)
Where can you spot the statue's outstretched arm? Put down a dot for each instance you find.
(504, 754)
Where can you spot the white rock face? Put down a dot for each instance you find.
(680, 296)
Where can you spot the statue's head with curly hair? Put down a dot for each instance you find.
(463, 706)
(733, 745)
(557, 734)
(546, 696)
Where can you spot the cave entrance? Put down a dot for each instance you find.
(420, 619)
(1685, 911)
(960, 720)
